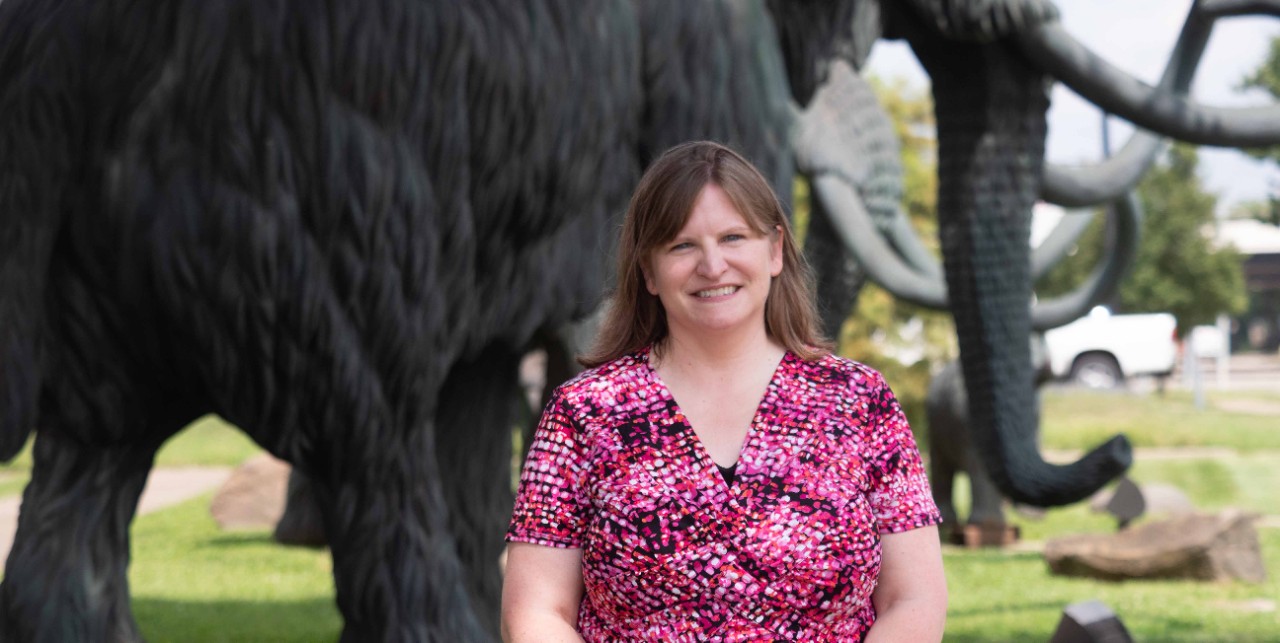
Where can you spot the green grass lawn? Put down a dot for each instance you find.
(1010, 596)
(1004, 596)
(193, 583)
(1074, 419)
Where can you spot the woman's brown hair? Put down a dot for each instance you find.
(658, 211)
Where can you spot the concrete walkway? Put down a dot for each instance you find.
(165, 487)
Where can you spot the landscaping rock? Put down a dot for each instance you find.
(1193, 546)
(253, 497)
(1159, 500)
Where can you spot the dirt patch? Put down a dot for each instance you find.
(1256, 605)
(1249, 406)
(1061, 456)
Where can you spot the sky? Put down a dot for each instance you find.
(1136, 36)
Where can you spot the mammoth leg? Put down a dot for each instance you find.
(67, 573)
(301, 523)
(104, 411)
(986, 498)
(66, 576)
(945, 413)
(991, 128)
(395, 565)
(476, 419)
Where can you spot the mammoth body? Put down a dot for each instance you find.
(338, 226)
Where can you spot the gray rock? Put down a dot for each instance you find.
(253, 497)
(1193, 546)
(1160, 499)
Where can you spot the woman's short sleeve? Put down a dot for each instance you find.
(900, 494)
(550, 508)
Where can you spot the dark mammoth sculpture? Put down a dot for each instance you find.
(337, 225)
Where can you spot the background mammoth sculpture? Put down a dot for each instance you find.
(990, 64)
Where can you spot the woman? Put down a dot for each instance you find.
(718, 474)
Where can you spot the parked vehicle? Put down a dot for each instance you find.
(1102, 350)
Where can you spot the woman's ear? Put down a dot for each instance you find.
(649, 285)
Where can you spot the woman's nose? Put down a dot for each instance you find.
(712, 263)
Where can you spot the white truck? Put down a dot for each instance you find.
(1102, 350)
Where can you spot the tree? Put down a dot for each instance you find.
(1267, 211)
(1267, 78)
(1177, 269)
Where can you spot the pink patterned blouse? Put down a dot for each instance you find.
(789, 551)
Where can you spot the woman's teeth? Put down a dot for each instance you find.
(727, 290)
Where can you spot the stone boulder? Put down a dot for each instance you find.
(253, 497)
(1193, 546)
(1158, 500)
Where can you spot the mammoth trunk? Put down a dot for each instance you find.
(991, 129)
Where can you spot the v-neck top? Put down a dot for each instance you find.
(673, 552)
(727, 472)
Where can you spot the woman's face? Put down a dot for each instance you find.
(714, 275)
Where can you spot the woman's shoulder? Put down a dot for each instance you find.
(841, 371)
(603, 383)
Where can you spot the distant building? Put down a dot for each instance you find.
(1259, 244)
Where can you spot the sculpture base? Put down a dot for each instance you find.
(976, 536)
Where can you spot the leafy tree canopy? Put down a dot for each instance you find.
(1267, 78)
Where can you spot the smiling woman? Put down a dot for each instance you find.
(718, 474)
(713, 277)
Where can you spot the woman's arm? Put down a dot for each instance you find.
(541, 593)
(911, 595)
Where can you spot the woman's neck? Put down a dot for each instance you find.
(719, 353)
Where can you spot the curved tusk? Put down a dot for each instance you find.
(1059, 242)
(1225, 8)
(1126, 215)
(907, 242)
(1085, 185)
(1156, 109)
(882, 263)
(1107, 181)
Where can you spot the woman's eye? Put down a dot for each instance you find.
(735, 237)
(681, 246)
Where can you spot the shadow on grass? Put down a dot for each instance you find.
(1054, 606)
(305, 621)
(980, 638)
(231, 540)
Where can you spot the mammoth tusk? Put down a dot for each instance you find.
(1225, 8)
(907, 242)
(1125, 217)
(1160, 110)
(1106, 181)
(1085, 185)
(1059, 242)
(874, 254)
